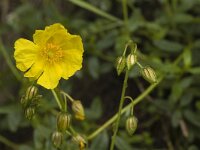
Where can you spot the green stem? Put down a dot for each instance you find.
(139, 65)
(132, 101)
(120, 110)
(68, 96)
(9, 62)
(8, 143)
(57, 99)
(125, 14)
(136, 101)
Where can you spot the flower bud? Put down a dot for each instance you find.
(149, 74)
(31, 92)
(121, 63)
(131, 125)
(78, 109)
(78, 139)
(23, 101)
(131, 60)
(63, 121)
(29, 112)
(57, 138)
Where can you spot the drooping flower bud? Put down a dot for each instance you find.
(120, 64)
(57, 138)
(31, 92)
(63, 121)
(131, 60)
(149, 74)
(78, 139)
(78, 109)
(131, 125)
(29, 112)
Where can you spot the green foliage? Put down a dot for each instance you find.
(167, 34)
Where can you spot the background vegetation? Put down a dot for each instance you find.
(168, 36)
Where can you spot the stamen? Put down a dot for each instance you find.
(52, 53)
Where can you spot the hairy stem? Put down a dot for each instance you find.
(119, 111)
(8, 143)
(57, 99)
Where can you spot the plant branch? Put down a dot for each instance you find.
(8, 142)
(120, 110)
(57, 99)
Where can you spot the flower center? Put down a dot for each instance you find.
(52, 53)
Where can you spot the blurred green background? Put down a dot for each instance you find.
(168, 36)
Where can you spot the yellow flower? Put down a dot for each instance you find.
(54, 53)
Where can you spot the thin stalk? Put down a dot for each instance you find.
(68, 96)
(8, 143)
(57, 99)
(120, 110)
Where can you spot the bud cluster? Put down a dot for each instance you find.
(126, 63)
(30, 101)
(64, 122)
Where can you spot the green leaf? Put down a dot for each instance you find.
(168, 46)
(93, 9)
(8, 109)
(100, 142)
(193, 147)
(95, 110)
(94, 67)
(121, 144)
(195, 70)
(187, 57)
(25, 147)
(182, 18)
(14, 119)
(176, 117)
(192, 117)
(186, 99)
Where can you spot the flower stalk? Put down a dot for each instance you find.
(120, 110)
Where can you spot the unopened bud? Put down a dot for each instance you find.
(78, 109)
(131, 60)
(149, 74)
(78, 139)
(63, 121)
(121, 63)
(57, 138)
(31, 92)
(29, 112)
(131, 125)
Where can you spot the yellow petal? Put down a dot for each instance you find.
(67, 42)
(25, 53)
(51, 76)
(71, 63)
(42, 36)
(36, 69)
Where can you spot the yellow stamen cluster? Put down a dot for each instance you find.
(52, 53)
